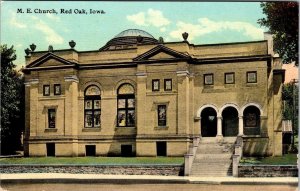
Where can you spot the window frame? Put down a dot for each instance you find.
(206, 75)
(126, 108)
(153, 81)
(247, 78)
(93, 110)
(158, 117)
(44, 90)
(228, 73)
(54, 89)
(165, 83)
(49, 110)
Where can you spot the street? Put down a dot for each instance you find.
(143, 187)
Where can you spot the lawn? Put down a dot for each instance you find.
(287, 159)
(94, 160)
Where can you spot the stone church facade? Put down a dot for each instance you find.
(139, 96)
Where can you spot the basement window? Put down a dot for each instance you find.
(161, 148)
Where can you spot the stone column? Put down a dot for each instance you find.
(241, 126)
(183, 102)
(219, 127)
(141, 125)
(31, 106)
(71, 110)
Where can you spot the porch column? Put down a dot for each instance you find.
(241, 125)
(219, 127)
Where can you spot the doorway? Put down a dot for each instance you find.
(230, 122)
(208, 122)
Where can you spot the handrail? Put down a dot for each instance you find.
(190, 156)
(238, 154)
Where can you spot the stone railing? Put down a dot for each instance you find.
(189, 157)
(238, 154)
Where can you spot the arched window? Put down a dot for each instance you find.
(126, 106)
(251, 121)
(92, 107)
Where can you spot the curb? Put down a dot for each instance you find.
(145, 180)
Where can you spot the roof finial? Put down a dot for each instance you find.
(50, 48)
(185, 36)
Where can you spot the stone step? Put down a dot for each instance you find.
(214, 156)
(216, 140)
(211, 175)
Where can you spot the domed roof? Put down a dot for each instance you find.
(134, 32)
(129, 39)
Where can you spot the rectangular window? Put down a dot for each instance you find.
(51, 118)
(57, 89)
(251, 77)
(161, 148)
(90, 150)
(229, 78)
(162, 115)
(126, 111)
(168, 84)
(208, 79)
(50, 147)
(46, 90)
(126, 150)
(92, 108)
(155, 85)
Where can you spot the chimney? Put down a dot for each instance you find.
(269, 37)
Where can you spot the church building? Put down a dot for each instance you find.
(141, 96)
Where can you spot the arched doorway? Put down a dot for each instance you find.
(251, 120)
(208, 122)
(230, 122)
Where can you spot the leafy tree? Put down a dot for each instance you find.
(282, 21)
(12, 102)
(290, 110)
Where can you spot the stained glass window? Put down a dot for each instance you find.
(46, 90)
(126, 106)
(162, 115)
(168, 84)
(57, 89)
(155, 85)
(92, 107)
(51, 118)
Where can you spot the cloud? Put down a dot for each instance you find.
(163, 29)
(138, 19)
(206, 26)
(51, 36)
(14, 22)
(150, 18)
(19, 45)
(52, 17)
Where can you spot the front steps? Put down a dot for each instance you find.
(213, 157)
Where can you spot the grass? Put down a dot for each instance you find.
(287, 159)
(94, 160)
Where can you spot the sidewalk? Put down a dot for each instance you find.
(139, 179)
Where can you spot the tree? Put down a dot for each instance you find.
(282, 21)
(12, 102)
(290, 110)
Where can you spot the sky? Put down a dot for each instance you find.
(206, 23)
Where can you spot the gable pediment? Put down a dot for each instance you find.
(161, 52)
(50, 60)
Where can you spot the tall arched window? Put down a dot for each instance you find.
(126, 106)
(92, 107)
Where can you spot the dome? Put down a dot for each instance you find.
(129, 39)
(134, 32)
